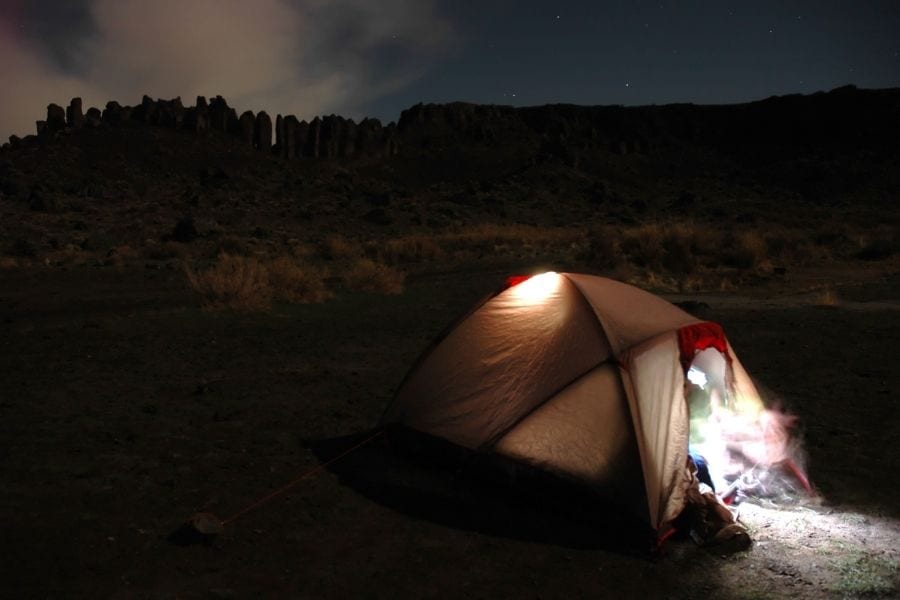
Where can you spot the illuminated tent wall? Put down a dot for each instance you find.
(578, 375)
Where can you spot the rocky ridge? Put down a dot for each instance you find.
(844, 119)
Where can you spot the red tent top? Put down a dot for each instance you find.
(698, 337)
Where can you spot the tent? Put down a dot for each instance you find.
(578, 375)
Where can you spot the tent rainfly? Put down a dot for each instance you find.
(578, 375)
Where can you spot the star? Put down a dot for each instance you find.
(627, 85)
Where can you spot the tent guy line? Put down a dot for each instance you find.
(257, 503)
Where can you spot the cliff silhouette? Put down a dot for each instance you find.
(798, 161)
(844, 119)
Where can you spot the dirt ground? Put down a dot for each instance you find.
(126, 408)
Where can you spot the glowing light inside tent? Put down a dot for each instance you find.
(748, 449)
(537, 288)
(697, 377)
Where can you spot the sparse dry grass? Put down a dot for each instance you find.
(791, 247)
(297, 283)
(337, 247)
(602, 248)
(508, 240)
(233, 282)
(673, 248)
(247, 284)
(642, 246)
(827, 297)
(409, 249)
(166, 251)
(367, 275)
(686, 255)
(745, 250)
(878, 248)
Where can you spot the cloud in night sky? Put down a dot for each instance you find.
(304, 57)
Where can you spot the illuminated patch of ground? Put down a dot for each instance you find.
(812, 551)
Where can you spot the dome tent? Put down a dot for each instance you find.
(578, 375)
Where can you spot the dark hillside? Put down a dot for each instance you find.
(127, 175)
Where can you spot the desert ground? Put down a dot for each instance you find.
(127, 407)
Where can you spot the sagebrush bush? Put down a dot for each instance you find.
(165, 251)
(601, 249)
(367, 275)
(297, 283)
(744, 251)
(232, 282)
(337, 247)
(491, 237)
(246, 284)
(876, 249)
(679, 249)
(827, 297)
(409, 249)
(643, 246)
(789, 246)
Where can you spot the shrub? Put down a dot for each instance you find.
(233, 282)
(164, 251)
(185, 231)
(231, 245)
(643, 245)
(295, 283)
(827, 297)
(678, 250)
(408, 249)
(791, 246)
(877, 249)
(745, 251)
(492, 238)
(337, 247)
(247, 284)
(366, 275)
(602, 250)
(22, 248)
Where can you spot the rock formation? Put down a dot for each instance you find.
(246, 125)
(93, 118)
(558, 133)
(113, 114)
(262, 133)
(74, 116)
(291, 129)
(329, 137)
(278, 148)
(56, 118)
(221, 115)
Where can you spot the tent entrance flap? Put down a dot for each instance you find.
(654, 383)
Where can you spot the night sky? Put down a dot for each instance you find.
(377, 57)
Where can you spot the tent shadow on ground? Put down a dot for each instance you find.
(429, 478)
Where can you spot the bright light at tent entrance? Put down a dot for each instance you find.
(696, 376)
(537, 288)
(747, 449)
